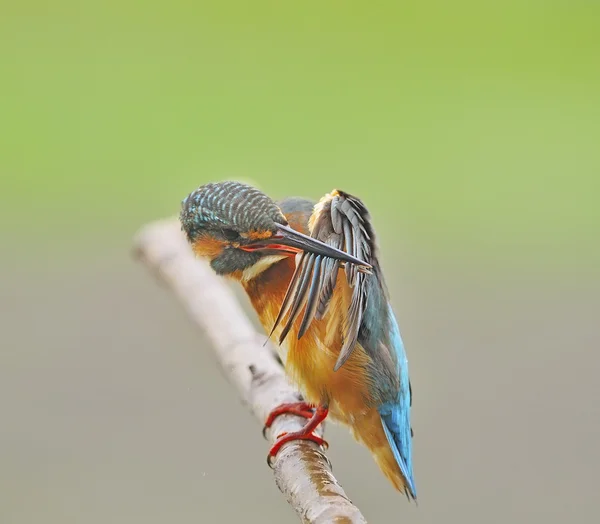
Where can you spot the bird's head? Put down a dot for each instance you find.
(241, 231)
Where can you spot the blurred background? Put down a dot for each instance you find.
(470, 129)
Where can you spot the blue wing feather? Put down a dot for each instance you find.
(395, 414)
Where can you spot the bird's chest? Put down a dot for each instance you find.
(309, 364)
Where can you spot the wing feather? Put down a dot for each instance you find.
(330, 271)
(300, 294)
(285, 305)
(313, 297)
(341, 221)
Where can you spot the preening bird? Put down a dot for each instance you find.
(312, 274)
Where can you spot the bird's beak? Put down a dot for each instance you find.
(289, 241)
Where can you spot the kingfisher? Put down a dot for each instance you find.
(312, 273)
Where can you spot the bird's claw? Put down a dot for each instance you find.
(284, 438)
(301, 409)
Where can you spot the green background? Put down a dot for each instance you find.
(471, 130)
(468, 127)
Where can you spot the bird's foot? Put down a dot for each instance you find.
(302, 409)
(306, 433)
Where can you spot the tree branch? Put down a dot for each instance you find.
(302, 472)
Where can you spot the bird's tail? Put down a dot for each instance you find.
(373, 432)
(401, 454)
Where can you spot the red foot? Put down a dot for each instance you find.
(306, 433)
(302, 409)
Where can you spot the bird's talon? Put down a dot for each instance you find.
(301, 409)
(306, 433)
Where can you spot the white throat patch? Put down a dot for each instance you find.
(263, 264)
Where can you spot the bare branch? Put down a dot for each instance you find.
(302, 472)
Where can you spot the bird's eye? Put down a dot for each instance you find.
(230, 234)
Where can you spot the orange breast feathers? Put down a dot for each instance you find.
(310, 361)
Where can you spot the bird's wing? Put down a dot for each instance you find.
(343, 222)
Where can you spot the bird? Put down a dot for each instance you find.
(313, 275)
